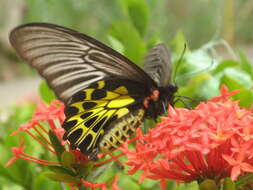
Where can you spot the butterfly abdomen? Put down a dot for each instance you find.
(121, 130)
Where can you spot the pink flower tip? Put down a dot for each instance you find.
(225, 94)
(114, 183)
(16, 151)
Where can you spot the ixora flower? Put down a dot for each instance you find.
(213, 141)
(69, 166)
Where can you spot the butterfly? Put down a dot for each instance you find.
(106, 95)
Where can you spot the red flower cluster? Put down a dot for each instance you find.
(44, 118)
(214, 140)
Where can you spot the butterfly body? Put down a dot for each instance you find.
(106, 96)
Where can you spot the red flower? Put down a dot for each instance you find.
(214, 141)
(16, 152)
(114, 184)
(44, 119)
(102, 186)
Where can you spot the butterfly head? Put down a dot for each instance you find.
(157, 103)
(167, 93)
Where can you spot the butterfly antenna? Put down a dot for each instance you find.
(183, 102)
(164, 107)
(178, 63)
(185, 97)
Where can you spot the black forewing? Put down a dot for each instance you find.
(71, 61)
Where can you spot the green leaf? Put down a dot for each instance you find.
(244, 180)
(200, 87)
(60, 169)
(208, 184)
(83, 170)
(21, 172)
(178, 43)
(196, 62)
(4, 173)
(41, 182)
(246, 65)
(58, 147)
(240, 76)
(186, 186)
(129, 182)
(55, 9)
(116, 44)
(245, 95)
(228, 184)
(223, 65)
(65, 178)
(153, 40)
(98, 171)
(134, 47)
(139, 14)
(67, 159)
(46, 93)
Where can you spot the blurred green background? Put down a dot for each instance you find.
(199, 20)
(218, 34)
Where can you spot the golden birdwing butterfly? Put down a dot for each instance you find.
(106, 96)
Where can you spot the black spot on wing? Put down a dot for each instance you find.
(98, 94)
(112, 84)
(88, 105)
(69, 124)
(133, 87)
(85, 143)
(124, 128)
(90, 121)
(70, 111)
(74, 136)
(85, 115)
(129, 132)
(98, 125)
(123, 138)
(78, 97)
(93, 85)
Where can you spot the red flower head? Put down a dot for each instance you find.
(45, 118)
(214, 141)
